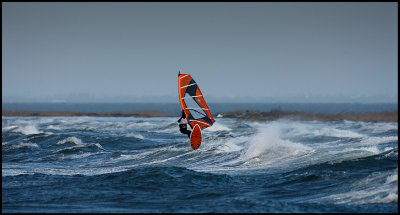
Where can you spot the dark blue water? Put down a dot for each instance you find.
(126, 164)
(174, 108)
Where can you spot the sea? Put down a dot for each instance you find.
(145, 165)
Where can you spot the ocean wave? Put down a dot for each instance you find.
(392, 178)
(27, 130)
(218, 127)
(394, 152)
(378, 140)
(53, 127)
(272, 146)
(372, 149)
(63, 156)
(316, 130)
(30, 145)
(269, 140)
(375, 188)
(12, 172)
(331, 132)
(168, 129)
(232, 144)
(78, 145)
(73, 140)
(138, 136)
(378, 127)
(265, 149)
(140, 123)
(68, 171)
(8, 128)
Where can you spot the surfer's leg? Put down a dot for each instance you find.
(183, 130)
(188, 133)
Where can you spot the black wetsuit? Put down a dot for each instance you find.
(183, 127)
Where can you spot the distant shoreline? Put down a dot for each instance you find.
(382, 116)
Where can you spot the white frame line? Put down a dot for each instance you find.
(183, 76)
(196, 108)
(199, 121)
(188, 85)
(192, 96)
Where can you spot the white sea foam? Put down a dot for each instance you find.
(315, 129)
(372, 149)
(392, 178)
(77, 143)
(379, 126)
(53, 127)
(337, 150)
(98, 145)
(370, 190)
(140, 124)
(334, 132)
(74, 170)
(230, 147)
(387, 149)
(267, 148)
(379, 140)
(168, 130)
(366, 197)
(351, 153)
(124, 157)
(12, 172)
(218, 127)
(391, 197)
(27, 130)
(73, 140)
(268, 140)
(229, 144)
(138, 136)
(76, 156)
(23, 144)
(7, 128)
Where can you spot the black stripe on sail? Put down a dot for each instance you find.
(191, 90)
(190, 109)
(190, 117)
(207, 119)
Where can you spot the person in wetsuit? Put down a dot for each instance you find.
(183, 123)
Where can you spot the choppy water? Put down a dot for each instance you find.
(95, 164)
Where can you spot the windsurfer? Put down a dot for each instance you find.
(183, 124)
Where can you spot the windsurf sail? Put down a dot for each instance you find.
(193, 103)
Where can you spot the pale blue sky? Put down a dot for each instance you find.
(232, 49)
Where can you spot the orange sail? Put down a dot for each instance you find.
(193, 103)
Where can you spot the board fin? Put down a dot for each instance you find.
(195, 137)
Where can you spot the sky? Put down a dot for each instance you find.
(235, 51)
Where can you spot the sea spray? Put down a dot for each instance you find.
(27, 130)
(268, 146)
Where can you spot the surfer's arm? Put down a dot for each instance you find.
(183, 116)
